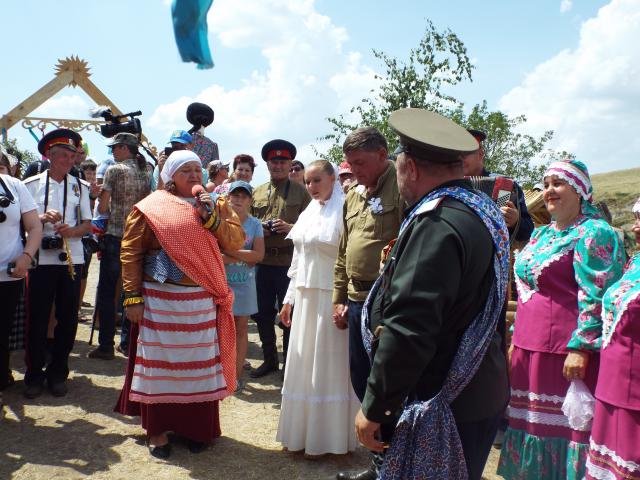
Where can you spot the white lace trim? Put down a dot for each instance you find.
(598, 472)
(580, 189)
(621, 462)
(609, 327)
(301, 397)
(524, 291)
(543, 397)
(541, 418)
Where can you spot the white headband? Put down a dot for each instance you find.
(175, 161)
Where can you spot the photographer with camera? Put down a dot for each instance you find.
(16, 206)
(277, 204)
(125, 184)
(63, 207)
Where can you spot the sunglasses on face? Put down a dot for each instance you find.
(297, 168)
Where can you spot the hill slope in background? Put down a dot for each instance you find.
(619, 189)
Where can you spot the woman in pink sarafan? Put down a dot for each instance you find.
(182, 350)
(561, 275)
(614, 447)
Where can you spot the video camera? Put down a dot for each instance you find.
(117, 123)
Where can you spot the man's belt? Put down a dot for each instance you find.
(361, 285)
(278, 251)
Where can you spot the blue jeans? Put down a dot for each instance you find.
(107, 285)
(359, 363)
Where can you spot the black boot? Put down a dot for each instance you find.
(369, 474)
(270, 363)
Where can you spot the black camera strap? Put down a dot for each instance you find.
(9, 195)
(64, 199)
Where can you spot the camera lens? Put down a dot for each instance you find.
(3, 217)
(4, 201)
(62, 256)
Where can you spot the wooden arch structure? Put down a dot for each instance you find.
(69, 72)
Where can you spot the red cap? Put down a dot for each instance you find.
(279, 154)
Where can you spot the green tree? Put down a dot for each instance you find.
(440, 60)
(506, 151)
(25, 157)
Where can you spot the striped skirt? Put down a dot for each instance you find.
(539, 443)
(177, 353)
(613, 449)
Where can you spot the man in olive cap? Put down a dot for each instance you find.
(437, 375)
(125, 184)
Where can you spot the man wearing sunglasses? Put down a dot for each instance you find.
(125, 183)
(296, 172)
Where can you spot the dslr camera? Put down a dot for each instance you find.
(51, 242)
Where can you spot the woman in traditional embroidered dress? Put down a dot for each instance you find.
(318, 406)
(182, 352)
(561, 276)
(613, 450)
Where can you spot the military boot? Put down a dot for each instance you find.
(270, 363)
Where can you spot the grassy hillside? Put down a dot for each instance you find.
(619, 189)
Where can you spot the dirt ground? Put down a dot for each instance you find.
(79, 436)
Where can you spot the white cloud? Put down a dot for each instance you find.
(307, 77)
(64, 106)
(590, 96)
(566, 5)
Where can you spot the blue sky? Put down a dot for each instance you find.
(283, 66)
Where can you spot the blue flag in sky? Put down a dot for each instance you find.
(190, 28)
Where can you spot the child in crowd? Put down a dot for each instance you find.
(240, 268)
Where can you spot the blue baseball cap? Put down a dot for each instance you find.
(181, 136)
(241, 184)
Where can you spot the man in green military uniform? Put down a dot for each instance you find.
(435, 329)
(277, 204)
(372, 215)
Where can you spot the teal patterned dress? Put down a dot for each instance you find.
(561, 276)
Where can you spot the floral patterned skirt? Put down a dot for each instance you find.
(539, 444)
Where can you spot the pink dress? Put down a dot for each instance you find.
(561, 276)
(614, 447)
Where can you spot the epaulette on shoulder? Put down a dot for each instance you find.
(429, 206)
(31, 178)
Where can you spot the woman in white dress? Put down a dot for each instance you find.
(318, 404)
